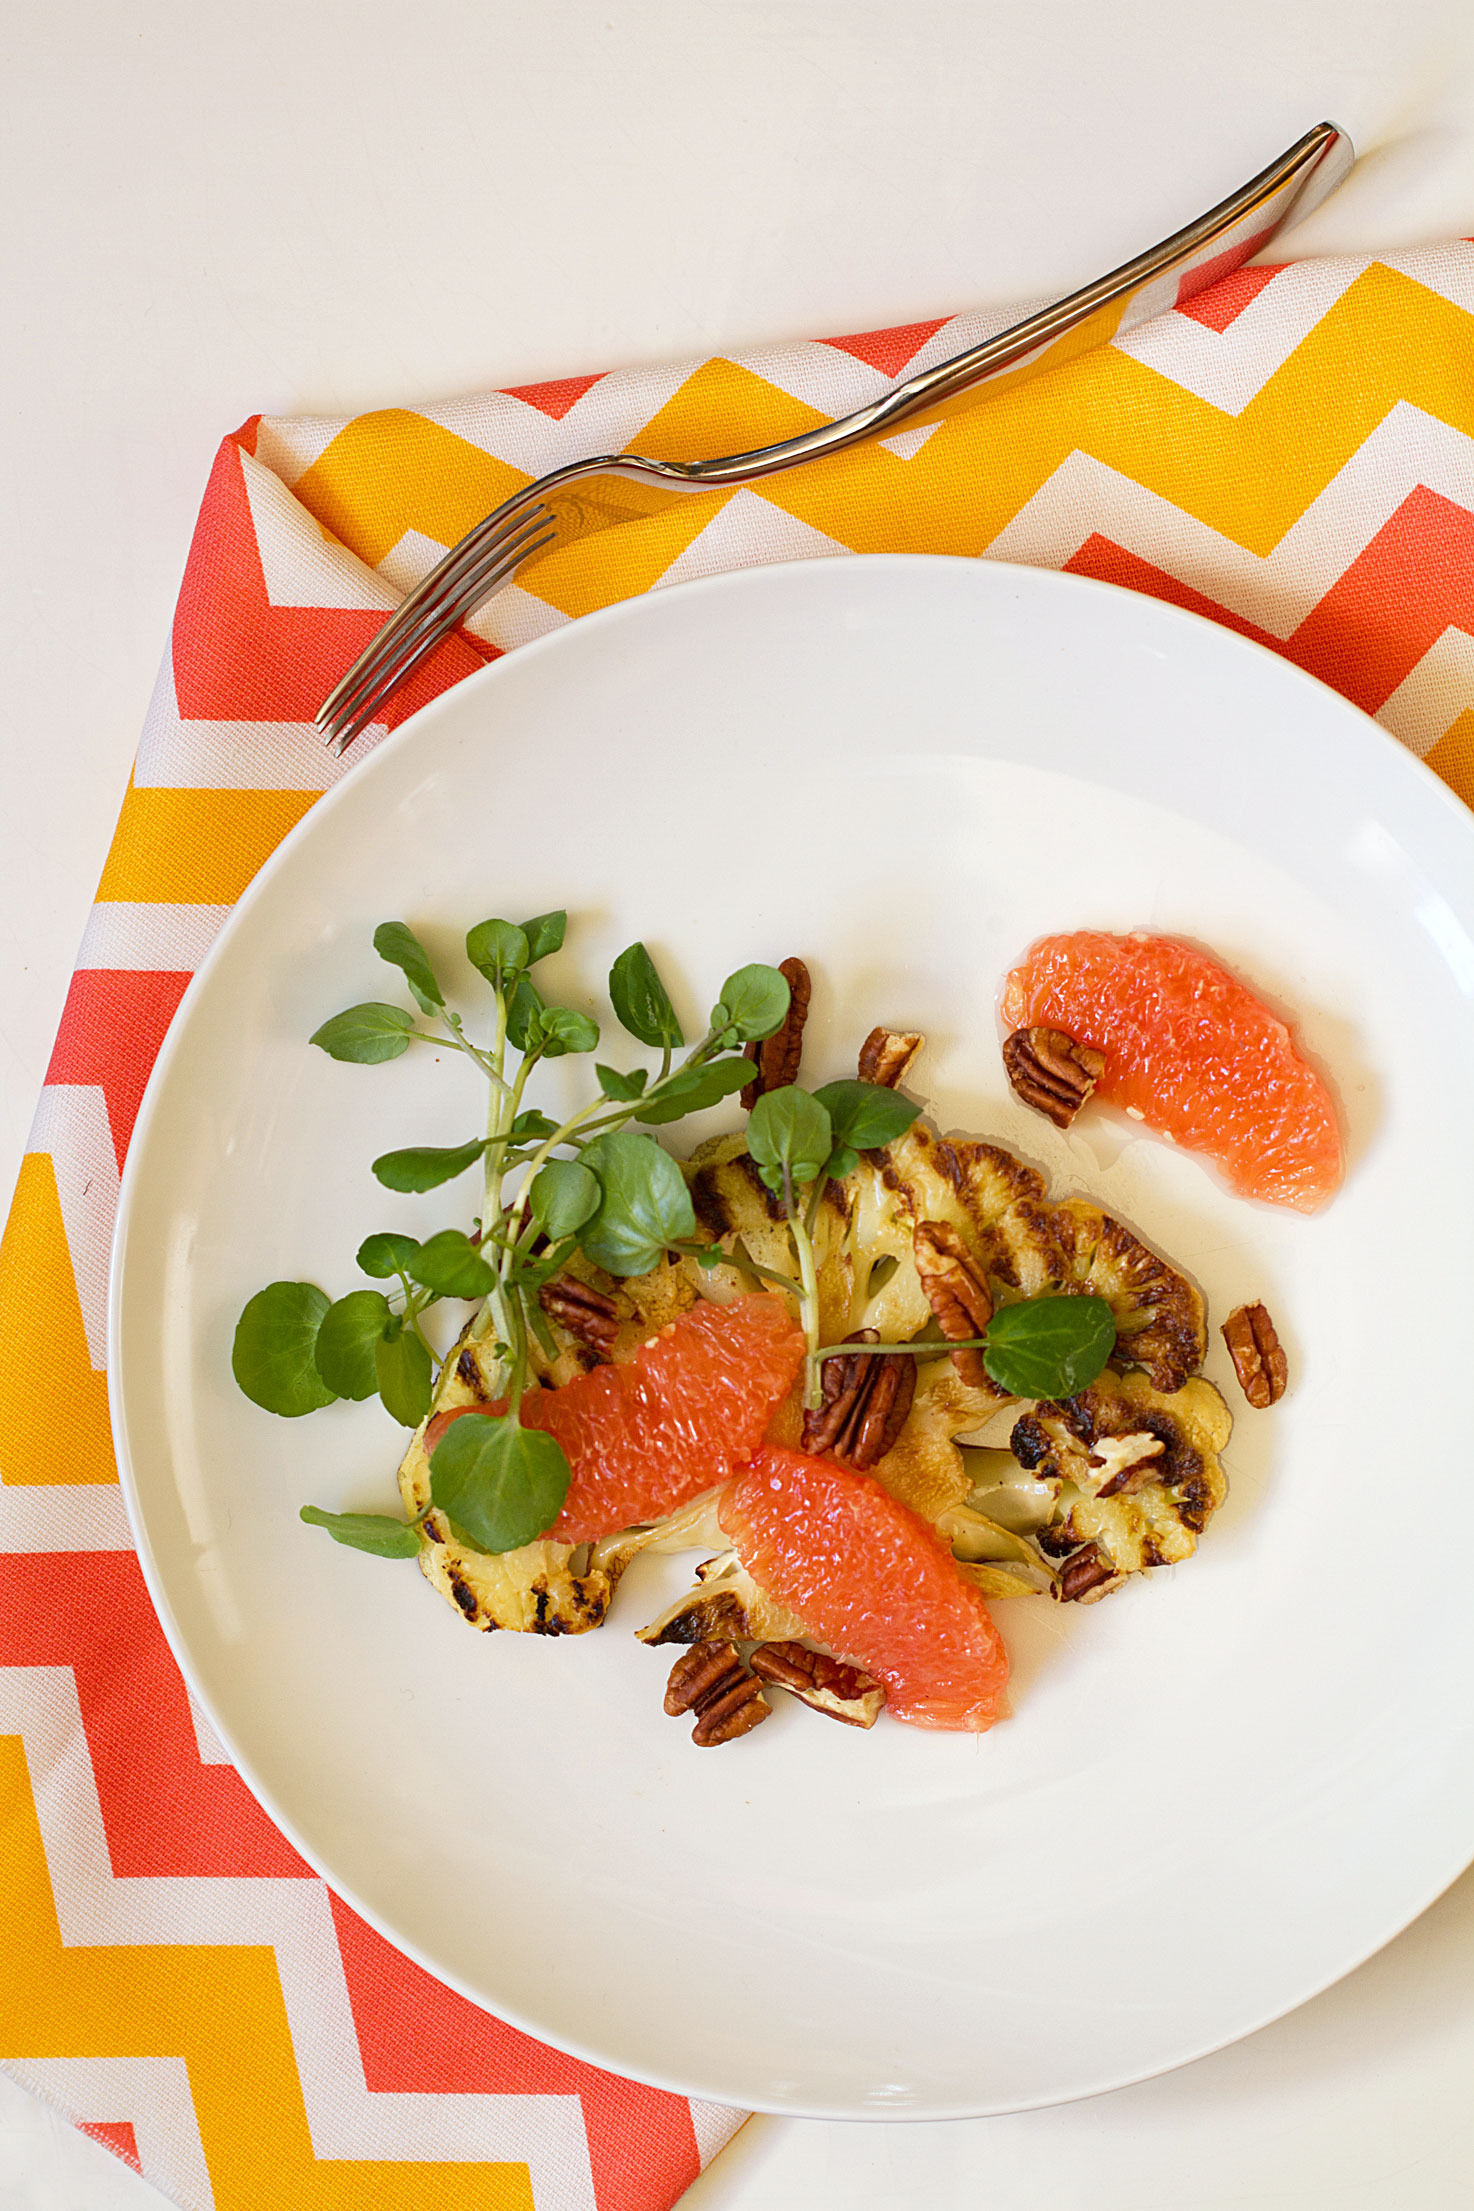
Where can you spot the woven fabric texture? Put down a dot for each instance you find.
(1292, 455)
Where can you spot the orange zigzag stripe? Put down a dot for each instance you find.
(163, 1811)
(1411, 583)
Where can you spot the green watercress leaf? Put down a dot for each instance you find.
(374, 1532)
(498, 950)
(563, 1195)
(386, 1254)
(622, 1088)
(644, 1205)
(397, 943)
(560, 1029)
(753, 1003)
(641, 1001)
(347, 1341)
(426, 1166)
(500, 1482)
(1049, 1346)
(693, 1089)
(544, 934)
(365, 1034)
(272, 1356)
(404, 1373)
(523, 1007)
(451, 1266)
(862, 1116)
(534, 1125)
(788, 1129)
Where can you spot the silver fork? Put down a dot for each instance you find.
(548, 512)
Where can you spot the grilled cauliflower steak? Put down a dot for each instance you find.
(864, 1244)
(536, 1590)
(1133, 1471)
(1129, 1466)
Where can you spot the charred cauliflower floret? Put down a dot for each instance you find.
(1129, 1466)
(864, 1244)
(1135, 1471)
(541, 1589)
(1160, 1321)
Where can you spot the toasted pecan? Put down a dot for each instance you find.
(711, 1681)
(777, 1057)
(1086, 1576)
(1051, 1071)
(823, 1683)
(1257, 1353)
(866, 1401)
(581, 1312)
(886, 1054)
(957, 1291)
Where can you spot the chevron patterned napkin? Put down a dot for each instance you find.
(1292, 454)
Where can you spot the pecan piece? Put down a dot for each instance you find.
(1257, 1354)
(1125, 1462)
(957, 1291)
(1051, 1072)
(866, 1401)
(886, 1054)
(711, 1681)
(777, 1056)
(583, 1313)
(823, 1683)
(1086, 1577)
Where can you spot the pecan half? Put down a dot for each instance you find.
(583, 1313)
(1087, 1576)
(777, 1056)
(957, 1292)
(866, 1400)
(886, 1054)
(711, 1681)
(1125, 1462)
(1257, 1354)
(1051, 1072)
(823, 1683)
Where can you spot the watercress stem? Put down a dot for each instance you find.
(936, 1350)
(809, 1299)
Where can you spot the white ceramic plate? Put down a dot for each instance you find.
(1220, 1790)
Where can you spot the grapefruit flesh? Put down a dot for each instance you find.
(648, 1436)
(872, 1581)
(1191, 1051)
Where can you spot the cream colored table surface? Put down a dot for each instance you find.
(306, 205)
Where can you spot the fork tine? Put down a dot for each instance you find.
(489, 538)
(456, 589)
(352, 722)
(431, 629)
(496, 527)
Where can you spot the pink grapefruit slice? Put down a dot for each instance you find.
(1193, 1052)
(872, 1581)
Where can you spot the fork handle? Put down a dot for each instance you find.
(1166, 276)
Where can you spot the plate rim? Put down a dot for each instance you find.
(1380, 742)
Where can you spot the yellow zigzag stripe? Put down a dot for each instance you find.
(195, 848)
(1250, 476)
(1453, 756)
(44, 1361)
(221, 2009)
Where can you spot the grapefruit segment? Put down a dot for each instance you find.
(871, 1580)
(648, 1436)
(1191, 1051)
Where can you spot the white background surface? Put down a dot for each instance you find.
(214, 210)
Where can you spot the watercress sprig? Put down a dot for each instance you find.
(1041, 1347)
(619, 1198)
